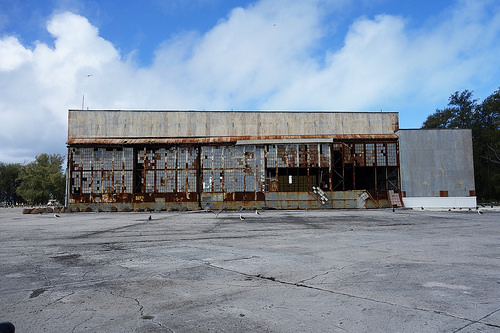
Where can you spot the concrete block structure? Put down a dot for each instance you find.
(155, 160)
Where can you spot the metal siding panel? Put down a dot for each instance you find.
(436, 160)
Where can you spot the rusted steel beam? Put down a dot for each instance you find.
(223, 139)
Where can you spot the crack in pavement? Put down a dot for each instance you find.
(216, 225)
(480, 322)
(40, 272)
(241, 258)
(60, 298)
(149, 317)
(163, 326)
(94, 233)
(302, 285)
(315, 276)
(82, 322)
(141, 311)
(141, 307)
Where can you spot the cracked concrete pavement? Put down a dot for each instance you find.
(280, 271)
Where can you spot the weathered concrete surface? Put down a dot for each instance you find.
(281, 271)
(119, 124)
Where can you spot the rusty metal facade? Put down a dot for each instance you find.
(230, 175)
(190, 159)
(101, 170)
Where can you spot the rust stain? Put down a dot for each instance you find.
(222, 139)
(162, 175)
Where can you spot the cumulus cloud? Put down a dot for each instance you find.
(40, 83)
(382, 64)
(271, 55)
(13, 54)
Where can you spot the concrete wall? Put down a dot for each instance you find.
(172, 124)
(440, 202)
(436, 163)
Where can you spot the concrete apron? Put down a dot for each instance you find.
(276, 271)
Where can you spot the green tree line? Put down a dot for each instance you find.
(33, 183)
(483, 118)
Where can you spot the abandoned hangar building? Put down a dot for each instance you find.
(157, 160)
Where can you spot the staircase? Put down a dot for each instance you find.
(319, 195)
(395, 199)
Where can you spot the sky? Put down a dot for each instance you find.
(310, 55)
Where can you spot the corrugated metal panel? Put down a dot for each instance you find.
(436, 161)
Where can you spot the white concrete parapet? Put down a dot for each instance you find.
(440, 202)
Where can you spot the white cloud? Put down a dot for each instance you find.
(40, 84)
(270, 55)
(382, 64)
(366, 68)
(12, 54)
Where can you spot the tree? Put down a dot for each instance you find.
(9, 183)
(484, 121)
(42, 179)
(489, 117)
(487, 146)
(459, 113)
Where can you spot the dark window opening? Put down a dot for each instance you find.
(393, 178)
(365, 178)
(381, 178)
(299, 179)
(338, 179)
(295, 180)
(337, 158)
(348, 177)
(323, 178)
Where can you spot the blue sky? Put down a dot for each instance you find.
(335, 55)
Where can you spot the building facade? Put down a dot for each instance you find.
(159, 160)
